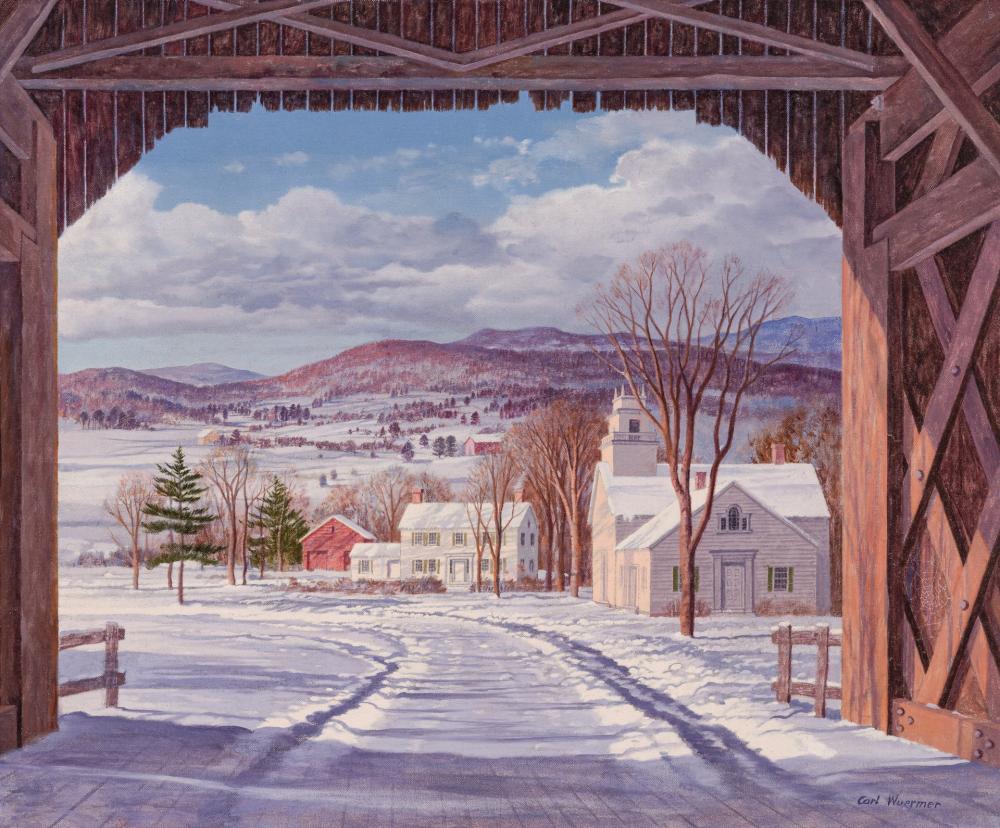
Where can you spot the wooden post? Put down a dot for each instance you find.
(822, 668)
(111, 636)
(29, 638)
(871, 429)
(783, 688)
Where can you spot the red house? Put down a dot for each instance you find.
(328, 546)
(483, 444)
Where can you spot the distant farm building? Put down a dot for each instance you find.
(766, 547)
(478, 444)
(328, 546)
(209, 437)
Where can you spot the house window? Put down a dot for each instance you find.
(633, 426)
(522, 538)
(677, 579)
(418, 567)
(734, 521)
(459, 539)
(485, 565)
(532, 538)
(432, 567)
(531, 566)
(364, 566)
(433, 538)
(419, 538)
(780, 578)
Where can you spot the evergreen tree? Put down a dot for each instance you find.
(424, 442)
(451, 445)
(475, 418)
(281, 528)
(178, 513)
(407, 451)
(440, 447)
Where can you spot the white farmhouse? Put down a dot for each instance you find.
(375, 562)
(439, 539)
(766, 547)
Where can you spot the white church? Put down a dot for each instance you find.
(766, 548)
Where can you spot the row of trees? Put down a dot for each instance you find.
(223, 510)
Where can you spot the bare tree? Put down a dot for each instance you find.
(492, 485)
(538, 492)
(680, 329)
(125, 506)
(565, 438)
(228, 470)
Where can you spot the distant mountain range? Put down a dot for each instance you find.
(203, 373)
(525, 364)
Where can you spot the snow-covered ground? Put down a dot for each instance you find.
(260, 706)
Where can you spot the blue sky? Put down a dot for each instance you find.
(269, 240)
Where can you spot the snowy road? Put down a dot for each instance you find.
(266, 708)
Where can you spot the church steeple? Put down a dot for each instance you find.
(629, 447)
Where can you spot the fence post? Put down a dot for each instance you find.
(111, 665)
(822, 667)
(784, 684)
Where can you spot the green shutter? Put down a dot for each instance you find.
(770, 579)
(791, 572)
(697, 578)
(677, 579)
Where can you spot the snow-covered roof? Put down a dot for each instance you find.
(375, 550)
(788, 489)
(662, 524)
(486, 438)
(456, 515)
(346, 521)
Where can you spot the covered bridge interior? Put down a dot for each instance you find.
(883, 111)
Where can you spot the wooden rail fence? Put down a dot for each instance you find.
(111, 679)
(820, 636)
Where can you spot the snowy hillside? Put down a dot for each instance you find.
(203, 373)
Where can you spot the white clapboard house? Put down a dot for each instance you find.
(766, 547)
(439, 539)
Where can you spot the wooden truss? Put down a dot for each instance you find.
(397, 62)
(921, 601)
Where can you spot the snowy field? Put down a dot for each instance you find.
(91, 461)
(258, 706)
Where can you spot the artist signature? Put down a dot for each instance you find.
(899, 801)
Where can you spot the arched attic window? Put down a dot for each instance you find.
(734, 520)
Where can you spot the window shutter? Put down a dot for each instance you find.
(791, 572)
(677, 579)
(770, 579)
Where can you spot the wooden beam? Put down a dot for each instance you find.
(150, 38)
(751, 31)
(963, 203)
(16, 125)
(569, 73)
(555, 36)
(17, 31)
(941, 75)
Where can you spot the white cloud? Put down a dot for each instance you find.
(311, 264)
(235, 167)
(292, 159)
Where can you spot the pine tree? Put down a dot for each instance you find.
(178, 488)
(440, 447)
(424, 442)
(407, 451)
(451, 445)
(281, 527)
(475, 418)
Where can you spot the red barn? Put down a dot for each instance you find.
(483, 444)
(328, 546)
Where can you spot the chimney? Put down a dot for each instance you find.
(416, 496)
(778, 453)
(700, 480)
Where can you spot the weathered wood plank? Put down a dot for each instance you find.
(72, 688)
(19, 29)
(963, 203)
(941, 75)
(912, 111)
(271, 71)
